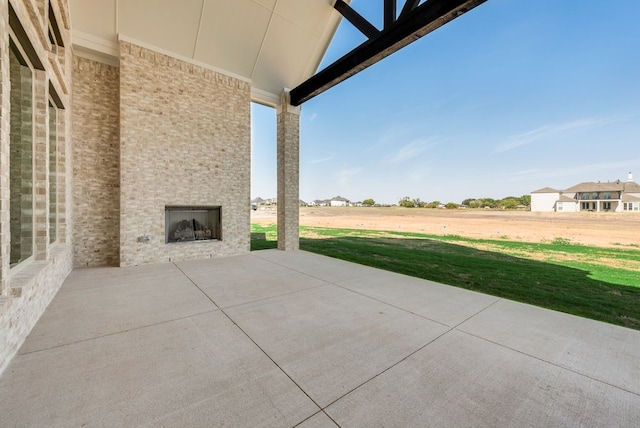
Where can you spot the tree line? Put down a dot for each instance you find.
(509, 203)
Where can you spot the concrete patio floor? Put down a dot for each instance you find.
(289, 339)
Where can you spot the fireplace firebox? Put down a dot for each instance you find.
(192, 223)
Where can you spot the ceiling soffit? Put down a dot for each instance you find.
(275, 44)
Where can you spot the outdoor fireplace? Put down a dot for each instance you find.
(192, 223)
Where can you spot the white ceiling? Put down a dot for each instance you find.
(275, 44)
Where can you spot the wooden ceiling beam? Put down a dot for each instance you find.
(389, 13)
(357, 20)
(414, 22)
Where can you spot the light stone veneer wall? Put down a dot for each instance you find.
(185, 135)
(288, 175)
(96, 171)
(26, 291)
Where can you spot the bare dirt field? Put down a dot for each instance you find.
(597, 229)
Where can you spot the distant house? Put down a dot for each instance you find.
(339, 201)
(616, 196)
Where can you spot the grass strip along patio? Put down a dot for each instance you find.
(593, 282)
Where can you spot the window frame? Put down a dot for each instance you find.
(24, 59)
(52, 106)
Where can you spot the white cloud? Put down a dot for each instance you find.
(419, 173)
(413, 149)
(579, 170)
(549, 131)
(324, 159)
(345, 175)
(394, 132)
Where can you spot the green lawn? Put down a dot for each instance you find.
(593, 282)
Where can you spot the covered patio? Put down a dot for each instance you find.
(117, 96)
(288, 339)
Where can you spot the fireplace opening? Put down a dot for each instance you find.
(192, 223)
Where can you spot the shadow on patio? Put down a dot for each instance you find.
(292, 338)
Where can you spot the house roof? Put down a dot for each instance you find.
(563, 198)
(630, 198)
(546, 190)
(275, 44)
(631, 187)
(589, 186)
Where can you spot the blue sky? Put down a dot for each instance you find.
(511, 97)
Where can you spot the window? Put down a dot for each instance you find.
(55, 38)
(53, 173)
(606, 195)
(606, 206)
(52, 41)
(21, 156)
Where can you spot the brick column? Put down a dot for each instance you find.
(5, 87)
(288, 174)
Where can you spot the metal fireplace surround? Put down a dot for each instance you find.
(192, 223)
